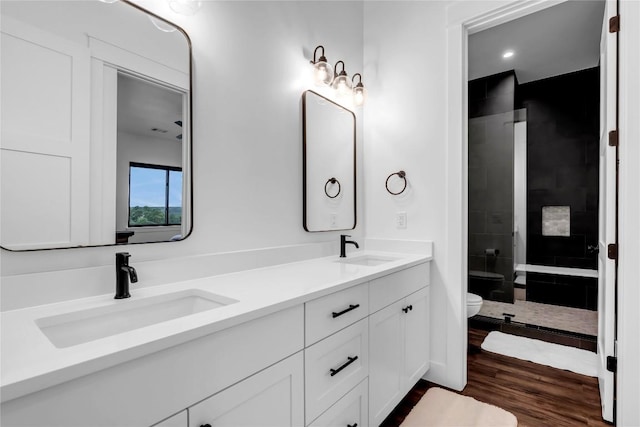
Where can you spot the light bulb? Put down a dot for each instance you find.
(359, 95)
(323, 73)
(185, 7)
(342, 85)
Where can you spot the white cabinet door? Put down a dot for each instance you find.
(416, 342)
(386, 364)
(45, 81)
(273, 397)
(398, 352)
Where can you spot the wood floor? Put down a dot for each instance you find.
(537, 395)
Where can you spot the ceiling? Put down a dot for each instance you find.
(144, 106)
(557, 40)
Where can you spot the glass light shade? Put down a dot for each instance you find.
(185, 7)
(162, 26)
(322, 73)
(359, 95)
(342, 84)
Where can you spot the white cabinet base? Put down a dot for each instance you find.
(270, 398)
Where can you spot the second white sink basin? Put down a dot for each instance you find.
(78, 327)
(369, 260)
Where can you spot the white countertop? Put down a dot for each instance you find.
(30, 362)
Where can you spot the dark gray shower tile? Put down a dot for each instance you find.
(476, 130)
(477, 221)
(477, 199)
(500, 222)
(477, 90)
(478, 178)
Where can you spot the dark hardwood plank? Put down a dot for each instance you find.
(536, 394)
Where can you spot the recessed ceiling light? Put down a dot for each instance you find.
(507, 54)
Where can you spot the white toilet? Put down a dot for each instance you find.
(474, 303)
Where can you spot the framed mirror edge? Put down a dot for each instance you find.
(304, 166)
(189, 149)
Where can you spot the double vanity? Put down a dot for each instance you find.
(328, 341)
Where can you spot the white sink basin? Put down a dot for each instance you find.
(78, 327)
(368, 260)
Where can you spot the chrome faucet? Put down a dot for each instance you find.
(124, 273)
(343, 245)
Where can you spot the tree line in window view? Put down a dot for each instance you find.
(149, 215)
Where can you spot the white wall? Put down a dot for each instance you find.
(251, 61)
(405, 129)
(628, 413)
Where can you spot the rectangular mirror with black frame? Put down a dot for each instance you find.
(95, 145)
(329, 164)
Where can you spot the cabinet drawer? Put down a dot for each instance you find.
(388, 289)
(270, 398)
(351, 410)
(329, 314)
(334, 366)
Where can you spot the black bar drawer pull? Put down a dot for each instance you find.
(352, 425)
(346, 310)
(407, 308)
(347, 363)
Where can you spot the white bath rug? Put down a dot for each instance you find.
(440, 408)
(557, 356)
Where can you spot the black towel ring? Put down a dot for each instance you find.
(332, 181)
(401, 174)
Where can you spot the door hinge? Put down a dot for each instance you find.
(612, 251)
(614, 24)
(612, 364)
(613, 138)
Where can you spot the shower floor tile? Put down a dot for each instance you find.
(549, 316)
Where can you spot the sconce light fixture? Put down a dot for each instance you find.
(322, 70)
(341, 82)
(324, 74)
(359, 92)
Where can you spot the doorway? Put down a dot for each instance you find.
(534, 178)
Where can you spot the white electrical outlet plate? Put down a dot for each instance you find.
(401, 220)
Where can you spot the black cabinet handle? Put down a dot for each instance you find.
(346, 310)
(349, 361)
(352, 425)
(205, 425)
(407, 308)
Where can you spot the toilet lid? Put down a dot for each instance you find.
(473, 299)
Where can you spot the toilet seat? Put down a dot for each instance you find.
(473, 299)
(474, 303)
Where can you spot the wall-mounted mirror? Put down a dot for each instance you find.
(95, 143)
(329, 164)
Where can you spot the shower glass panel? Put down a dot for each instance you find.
(491, 206)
